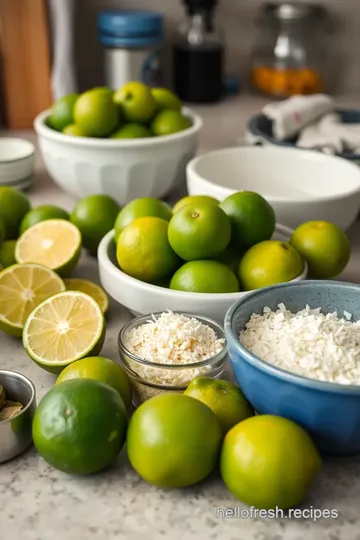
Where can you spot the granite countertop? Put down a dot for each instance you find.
(40, 503)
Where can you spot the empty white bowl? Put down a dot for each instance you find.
(300, 186)
(16, 162)
(141, 298)
(125, 169)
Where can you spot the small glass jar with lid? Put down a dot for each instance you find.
(289, 56)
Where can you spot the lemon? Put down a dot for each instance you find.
(92, 289)
(22, 288)
(55, 243)
(63, 329)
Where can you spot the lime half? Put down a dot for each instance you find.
(92, 289)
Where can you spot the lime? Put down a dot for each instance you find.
(136, 101)
(132, 131)
(231, 257)
(22, 288)
(168, 121)
(143, 249)
(324, 246)
(166, 99)
(62, 112)
(94, 216)
(63, 329)
(204, 277)
(92, 289)
(80, 426)
(173, 441)
(74, 130)
(2, 231)
(224, 398)
(55, 243)
(268, 263)
(103, 370)
(268, 462)
(144, 207)
(252, 218)
(193, 199)
(7, 253)
(13, 207)
(42, 213)
(199, 231)
(95, 113)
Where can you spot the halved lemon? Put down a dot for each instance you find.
(63, 329)
(92, 289)
(55, 243)
(22, 288)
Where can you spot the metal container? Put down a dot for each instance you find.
(15, 433)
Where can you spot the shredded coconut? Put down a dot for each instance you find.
(176, 340)
(310, 343)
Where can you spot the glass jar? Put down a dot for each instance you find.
(289, 54)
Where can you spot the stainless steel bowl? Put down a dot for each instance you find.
(15, 433)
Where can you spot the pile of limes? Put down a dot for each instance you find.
(134, 111)
(206, 246)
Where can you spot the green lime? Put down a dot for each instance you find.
(42, 213)
(268, 263)
(7, 253)
(224, 398)
(143, 249)
(13, 207)
(168, 121)
(324, 246)
(143, 207)
(199, 231)
(204, 277)
(173, 441)
(95, 113)
(136, 102)
(132, 131)
(231, 257)
(94, 216)
(80, 426)
(100, 369)
(252, 218)
(192, 199)
(62, 112)
(2, 231)
(166, 99)
(269, 462)
(74, 130)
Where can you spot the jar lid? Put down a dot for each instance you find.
(195, 5)
(130, 28)
(294, 10)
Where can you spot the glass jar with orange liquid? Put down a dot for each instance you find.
(289, 56)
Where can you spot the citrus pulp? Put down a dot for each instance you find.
(42, 213)
(88, 287)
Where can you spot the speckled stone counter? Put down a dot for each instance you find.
(40, 503)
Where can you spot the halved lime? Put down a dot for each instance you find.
(92, 289)
(65, 328)
(55, 243)
(22, 288)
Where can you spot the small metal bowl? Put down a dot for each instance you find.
(15, 433)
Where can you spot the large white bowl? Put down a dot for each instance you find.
(125, 169)
(300, 186)
(141, 298)
(16, 162)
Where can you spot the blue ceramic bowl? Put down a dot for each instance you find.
(259, 130)
(329, 412)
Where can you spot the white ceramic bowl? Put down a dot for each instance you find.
(141, 298)
(123, 169)
(16, 162)
(300, 186)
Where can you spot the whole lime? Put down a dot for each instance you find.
(199, 231)
(94, 216)
(7, 253)
(100, 369)
(80, 426)
(74, 130)
(168, 121)
(13, 207)
(252, 218)
(204, 277)
(95, 113)
(166, 99)
(62, 112)
(136, 102)
(132, 131)
(173, 441)
(42, 213)
(143, 207)
(269, 462)
(193, 199)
